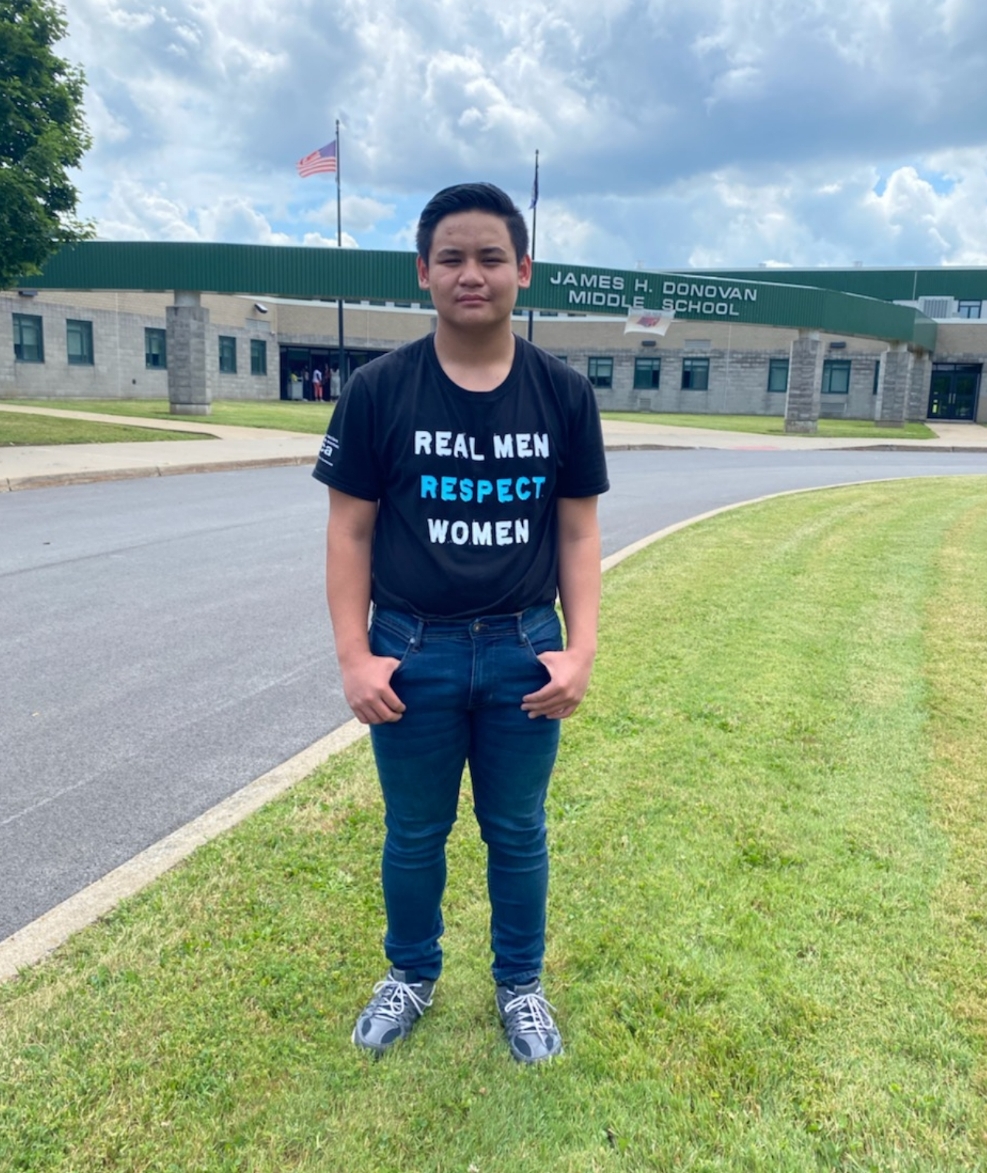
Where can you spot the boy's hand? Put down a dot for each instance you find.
(368, 692)
(570, 671)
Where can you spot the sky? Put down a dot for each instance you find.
(672, 134)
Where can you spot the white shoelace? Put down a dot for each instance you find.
(394, 997)
(532, 1014)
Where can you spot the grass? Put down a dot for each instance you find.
(771, 425)
(282, 415)
(767, 939)
(312, 418)
(22, 428)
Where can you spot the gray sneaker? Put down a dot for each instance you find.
(526, 1015)
(393, 1010)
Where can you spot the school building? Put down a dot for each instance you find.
(197, 322)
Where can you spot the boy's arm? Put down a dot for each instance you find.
(579, 591)
(349, 544)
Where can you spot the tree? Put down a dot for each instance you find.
(42, 133)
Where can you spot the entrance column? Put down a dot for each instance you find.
(188, 383)
(897, 385)
(921, 384)
(804, 381)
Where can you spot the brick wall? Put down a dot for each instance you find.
(118, 370)
(739, 356)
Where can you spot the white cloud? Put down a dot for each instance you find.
(104, 126)
(359, 213)
(564, 235)
(949, 225)
(133, 213)
(317, 240)
(722, 132)
(233, 220)
(130, 22)
(404, 238)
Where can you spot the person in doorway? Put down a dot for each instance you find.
(334, 384)
(463, 473)
(317, 384)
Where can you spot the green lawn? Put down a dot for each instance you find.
(768, 944)
(769, 425)
(302, 416)
(23, 428)
(312, 418)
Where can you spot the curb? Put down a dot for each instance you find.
(915, 446)
(912, 448)
(35, 941)
(52, 480)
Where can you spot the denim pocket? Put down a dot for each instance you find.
(544, 636)
(386, 641)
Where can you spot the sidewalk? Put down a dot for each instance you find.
(237, 448)
(72, 464)
(949, 438)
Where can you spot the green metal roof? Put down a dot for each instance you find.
(729, 298)
(885, 284)
(851, 302)
(233, 268)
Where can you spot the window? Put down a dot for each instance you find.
(778, 374)
(227, 355)
(600, 372)
(647, 373)
(258, 356)
(155, 349)
(79, 342)
(563, 358)
(695, 374)
(29, 338)
(877, 376)
(968, 309)
(836, 376)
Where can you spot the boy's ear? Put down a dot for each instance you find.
(524, 272)
(422, 273)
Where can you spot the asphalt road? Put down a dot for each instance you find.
(164, 641)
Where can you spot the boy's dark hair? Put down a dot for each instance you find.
(471, 197)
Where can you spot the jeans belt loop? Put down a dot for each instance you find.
(416, 639)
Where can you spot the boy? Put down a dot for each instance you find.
(463, 472)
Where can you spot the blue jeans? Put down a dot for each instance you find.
(462, 682)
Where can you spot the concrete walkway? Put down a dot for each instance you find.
(235, 448)
(227, 448)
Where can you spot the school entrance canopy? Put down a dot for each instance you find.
(808, 301)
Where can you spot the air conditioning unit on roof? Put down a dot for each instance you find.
(938, 307)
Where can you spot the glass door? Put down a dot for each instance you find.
(954, 390)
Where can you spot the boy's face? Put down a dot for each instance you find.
(473, 273)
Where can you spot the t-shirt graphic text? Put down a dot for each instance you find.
(480, 490)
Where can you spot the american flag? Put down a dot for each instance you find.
(324, 159)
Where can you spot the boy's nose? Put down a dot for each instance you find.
(471, 272)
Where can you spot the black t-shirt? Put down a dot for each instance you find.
(467, 481)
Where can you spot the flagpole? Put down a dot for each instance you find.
(534, 230)
(339, 267)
